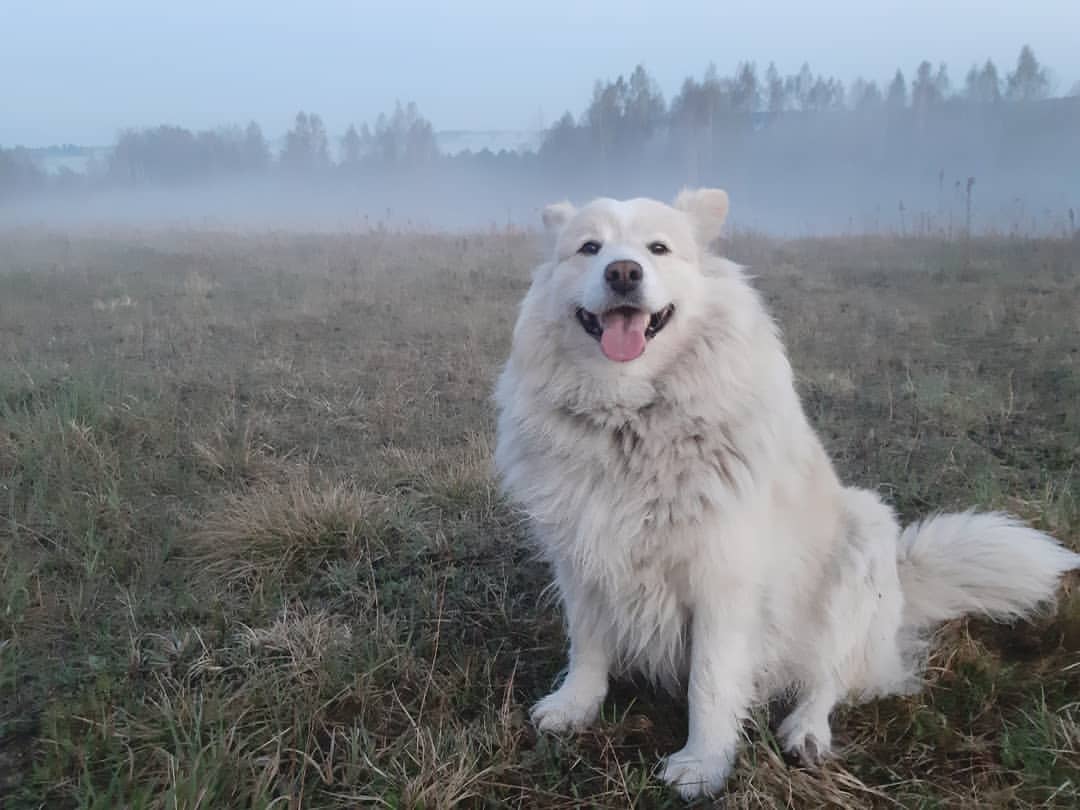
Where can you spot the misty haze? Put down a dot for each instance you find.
(260, 267)
(931, 149)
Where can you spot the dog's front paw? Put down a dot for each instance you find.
(808, 738)
(695, 773)
(565, 710)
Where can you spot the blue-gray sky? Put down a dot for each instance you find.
(79, 70)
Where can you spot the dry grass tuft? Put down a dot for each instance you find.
(288, 531)
(8, 455)
(298, 641)
(236, 448)
(458, 479)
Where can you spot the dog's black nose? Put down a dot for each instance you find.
(623, 276)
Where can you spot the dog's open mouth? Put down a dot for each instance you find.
(623, 331)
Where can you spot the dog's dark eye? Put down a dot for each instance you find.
(658, 249)
(590, 248)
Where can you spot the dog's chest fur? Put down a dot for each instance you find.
(625, 502)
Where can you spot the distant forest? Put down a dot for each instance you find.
(908, 154)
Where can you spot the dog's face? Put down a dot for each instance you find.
(625, 278)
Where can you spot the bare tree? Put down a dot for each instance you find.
(826, 94)
(776, 92)
(351, 147)
(645, 108)
(864, 96)
(745, 89)
(320, 143)
(897, 97)
(563, 141)
(306, 145)
(800, 87)
(404, 138)
(604, 115)
(928, 89)
(256, 150)
(983, 86)
(1030, 81)
(942, 84)
(19, 173)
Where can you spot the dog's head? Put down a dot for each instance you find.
(626, 276)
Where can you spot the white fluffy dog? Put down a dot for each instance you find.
(650, 429)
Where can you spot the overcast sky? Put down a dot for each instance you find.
(79, 70)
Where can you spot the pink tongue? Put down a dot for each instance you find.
(624, 334)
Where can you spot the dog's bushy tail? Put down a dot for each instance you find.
(982, 563)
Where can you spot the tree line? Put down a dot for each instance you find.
(627, 113)
(627, 118)
(168, 154)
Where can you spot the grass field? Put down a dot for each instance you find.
(252, 556)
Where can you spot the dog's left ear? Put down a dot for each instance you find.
(556, 215)
(707, 208)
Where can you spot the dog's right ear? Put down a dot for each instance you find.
(557, 215)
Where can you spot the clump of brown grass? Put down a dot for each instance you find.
(296, 648)
(764, 780)
(453, 478)
(288, 530)
(217, 726)
(234, 449)
(8, 454)
(439, 768)
(298, 642)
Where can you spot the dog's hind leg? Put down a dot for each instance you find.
(805, 732)
(859, 615)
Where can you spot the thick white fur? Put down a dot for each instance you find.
(696, 528)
